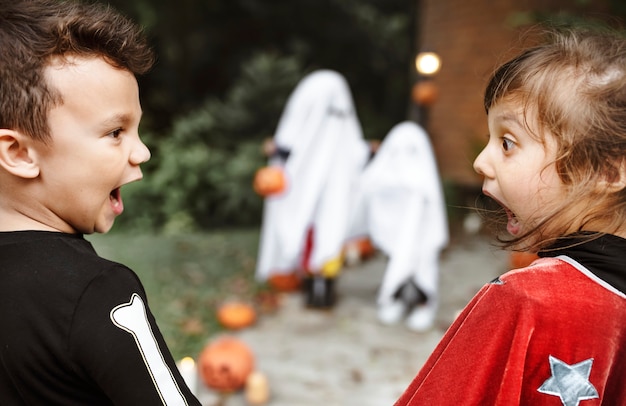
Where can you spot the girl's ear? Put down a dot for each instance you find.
(615, 180)
(17, 155)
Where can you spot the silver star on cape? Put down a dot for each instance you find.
(569, 382)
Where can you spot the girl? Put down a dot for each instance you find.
(552, 333)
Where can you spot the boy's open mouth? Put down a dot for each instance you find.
(116, 201)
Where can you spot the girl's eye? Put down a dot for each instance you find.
(507, 144)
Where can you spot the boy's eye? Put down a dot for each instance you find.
(115, 133)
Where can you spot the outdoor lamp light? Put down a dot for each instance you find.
(424, 92)
(427, 63)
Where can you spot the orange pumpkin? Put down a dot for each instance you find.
(288, 282)
(236, 315)
(366, 248)
(269, 180)
(225, 364)
(357, 250)
(519, 259)
(424, 93)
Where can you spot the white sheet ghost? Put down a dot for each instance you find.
(320, 130)
(401, 207)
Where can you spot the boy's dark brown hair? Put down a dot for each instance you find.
(35, 32)
(575, 86)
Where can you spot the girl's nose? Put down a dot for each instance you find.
(481, 164)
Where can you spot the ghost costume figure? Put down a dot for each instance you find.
(401, 207)
(322, 151)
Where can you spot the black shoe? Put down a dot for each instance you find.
(410, 294)
(319, 292)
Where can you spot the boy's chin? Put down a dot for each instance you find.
(102, 228)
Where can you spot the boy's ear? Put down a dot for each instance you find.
(17, 155)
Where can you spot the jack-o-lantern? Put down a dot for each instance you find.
(424, 93)
(236, 315)
(225, 364)
(269, 180)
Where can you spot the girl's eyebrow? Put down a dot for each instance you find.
(508, 117)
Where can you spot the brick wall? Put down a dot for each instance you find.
(472, 37)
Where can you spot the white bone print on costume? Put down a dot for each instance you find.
(132, 318)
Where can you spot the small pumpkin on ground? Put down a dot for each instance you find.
(236, 315)
(285, 282)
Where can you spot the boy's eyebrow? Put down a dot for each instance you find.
(117, 119)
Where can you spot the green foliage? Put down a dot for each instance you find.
(224, 71)
(201, 46)
(186, 277)
(201, 175)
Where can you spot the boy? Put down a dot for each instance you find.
(76, 329)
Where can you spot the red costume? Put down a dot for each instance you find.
(550, 334)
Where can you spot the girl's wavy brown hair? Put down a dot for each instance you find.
(34, 32)
(575, 85)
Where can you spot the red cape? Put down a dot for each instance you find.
(549, 334)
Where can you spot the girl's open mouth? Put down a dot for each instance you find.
(116, 201)
(512, 225)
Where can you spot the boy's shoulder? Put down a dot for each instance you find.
(55, 255)
(62, 267)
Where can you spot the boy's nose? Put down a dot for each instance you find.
(140, 153)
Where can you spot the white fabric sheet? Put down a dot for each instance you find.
(402, 209)
(320, 128)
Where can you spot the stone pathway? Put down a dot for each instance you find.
(345, 357)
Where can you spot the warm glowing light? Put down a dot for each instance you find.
(189, 372)
(427, 63)
(187, 363)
